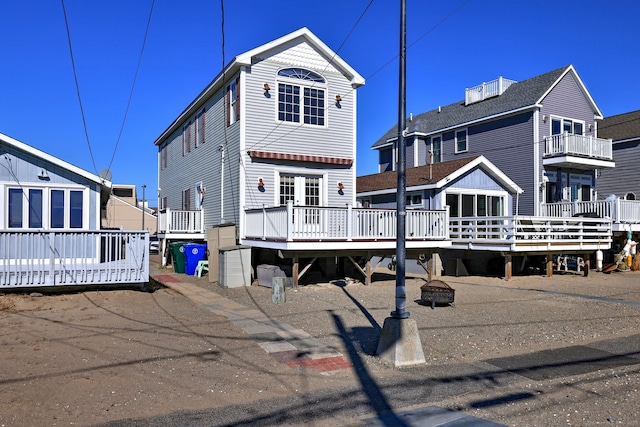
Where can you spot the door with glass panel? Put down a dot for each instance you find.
(306, 194)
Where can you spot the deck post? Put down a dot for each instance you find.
(349, 221)
(587, 265)
(507, 267)
(367, 278)
(295, 269)
(290, 221)
(549, 264)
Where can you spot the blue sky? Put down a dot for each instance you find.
(452, 45)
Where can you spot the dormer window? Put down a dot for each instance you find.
(301, 96)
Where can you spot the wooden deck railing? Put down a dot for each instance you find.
(306, 223)
(67, 257)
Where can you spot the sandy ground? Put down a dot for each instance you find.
(94, 357)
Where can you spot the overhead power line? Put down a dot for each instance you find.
(135, 78)
(75, 76)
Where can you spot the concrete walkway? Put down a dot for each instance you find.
(286, 344)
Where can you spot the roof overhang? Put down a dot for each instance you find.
(53, 160)
(245, 60)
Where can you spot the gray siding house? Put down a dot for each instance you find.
(278, 124)
(50, 225)
(541, 132)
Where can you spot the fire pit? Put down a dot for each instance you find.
(437, 292)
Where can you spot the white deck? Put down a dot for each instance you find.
(71, 258)
(334, 228)
(304, 228)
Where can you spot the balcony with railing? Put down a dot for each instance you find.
(341, 227)
(181, 223)
(70, 258)
(578, 151)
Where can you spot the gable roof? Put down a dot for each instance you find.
(246, 59)
(440, 173)
(4, 139)
(623, 127)
(521, 96)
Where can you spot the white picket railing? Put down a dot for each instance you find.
(290, 223)
(619, 210)
(179, 221)
(578, 145)
(66, 257)
(531, 231)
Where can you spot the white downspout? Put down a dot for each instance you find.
(221, 149)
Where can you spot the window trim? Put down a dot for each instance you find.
(200, 127)
(232, 102)
(562, 121)
(466, 141)
(302, 81)
(432, 151)
(45, 207)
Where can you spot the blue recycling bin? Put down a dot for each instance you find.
(193, 252)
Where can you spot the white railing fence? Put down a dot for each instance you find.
(178, 221)
(66, 257)
(289, 223)
(519, 229)
(580, 145)
(487, 90)
(618, 210)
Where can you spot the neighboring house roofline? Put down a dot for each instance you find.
(56, 161)
(621, 128)
(461, 125)
(518, 97)
(443, 173)
(583, 88)
(245, 59)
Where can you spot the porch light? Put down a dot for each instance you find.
(544, 118)
(43, 175)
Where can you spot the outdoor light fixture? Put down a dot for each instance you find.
(44, 175)
(544, 118)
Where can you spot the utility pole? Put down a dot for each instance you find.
(399, 340)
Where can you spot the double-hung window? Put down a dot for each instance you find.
(435, 150)
(461, 141)
(233, 102)
(200, 127)
(186, 138)
(301, 97)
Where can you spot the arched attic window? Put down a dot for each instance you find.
(294, 82)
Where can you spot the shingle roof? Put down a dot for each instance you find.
(621, 127)
(519, 95)
(415, 176)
